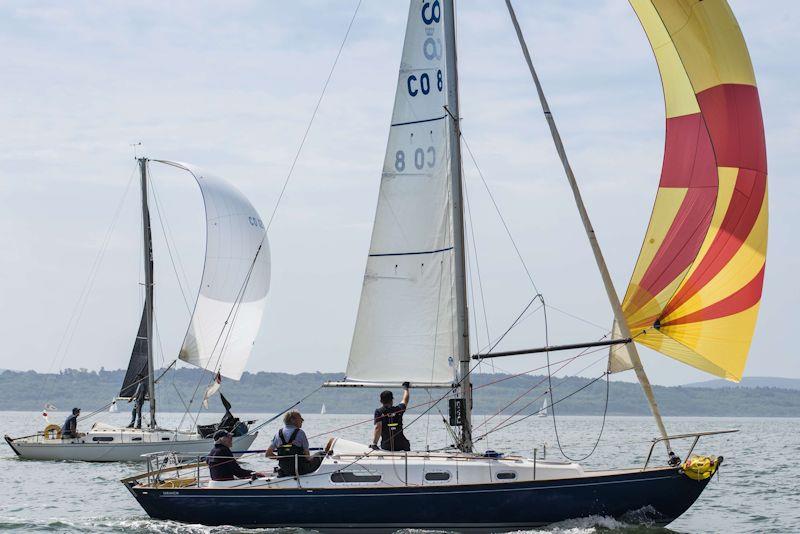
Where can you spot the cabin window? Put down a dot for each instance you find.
(103, 438)
(437, 476)
(346, 476)
(165, 439)
(506, 475)
(136, 439)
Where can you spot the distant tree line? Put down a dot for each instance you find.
(273, 392)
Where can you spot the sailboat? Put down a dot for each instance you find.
(322, 410)
(222, 329)
(693, 296)
(543, 411)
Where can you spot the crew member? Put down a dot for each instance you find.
(290, 448)
(221, 463)
(70, 428)
(138, 401)
(389, 423)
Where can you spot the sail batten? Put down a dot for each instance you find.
(696, 287)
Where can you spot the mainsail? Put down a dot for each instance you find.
(695, 290)
(137, 367)
(406, 324)
(235, 281)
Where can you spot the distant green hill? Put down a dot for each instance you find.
(750, 382)
(273, 392)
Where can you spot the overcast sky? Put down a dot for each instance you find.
(231, 86)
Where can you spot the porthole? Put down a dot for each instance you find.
(506, 475)
(437, 476)
(345, 476)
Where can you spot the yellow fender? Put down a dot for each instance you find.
(52, 431)
(700, 467)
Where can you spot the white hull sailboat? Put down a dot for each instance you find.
(223, 327)
(693, 296)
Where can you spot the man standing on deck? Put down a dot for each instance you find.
(389, 423)
(138, 401)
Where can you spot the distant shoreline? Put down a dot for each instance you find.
(270, 393)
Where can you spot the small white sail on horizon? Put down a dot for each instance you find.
(406, 324)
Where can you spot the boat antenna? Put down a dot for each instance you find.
(613, 298)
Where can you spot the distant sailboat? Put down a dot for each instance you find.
(543, 411)
(234, 284)
(322, 410)
(705, 242)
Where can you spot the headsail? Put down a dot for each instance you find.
(696, 287)
(137, 367)
(233, 289)
(406, 325)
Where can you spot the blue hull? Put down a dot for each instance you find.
(656, 497)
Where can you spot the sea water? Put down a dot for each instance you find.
(757, 490)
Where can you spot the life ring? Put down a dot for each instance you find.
(52, 431)
(700, 467)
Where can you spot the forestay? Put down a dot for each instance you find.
(235, 281)
(695, 291)
(405, 327)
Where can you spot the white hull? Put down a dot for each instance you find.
(118, 445)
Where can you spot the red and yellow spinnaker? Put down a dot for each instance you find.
(696, 287)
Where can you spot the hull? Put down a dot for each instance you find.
(656, 496)
(115, 452)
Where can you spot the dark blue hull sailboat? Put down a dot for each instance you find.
(656, 496)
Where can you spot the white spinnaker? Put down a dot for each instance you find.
(235, 281)
(406, 323)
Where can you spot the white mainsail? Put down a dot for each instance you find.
(405, 329)
(235, 281)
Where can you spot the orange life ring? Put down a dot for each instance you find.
(52, 431)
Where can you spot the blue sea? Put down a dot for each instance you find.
(757, 490)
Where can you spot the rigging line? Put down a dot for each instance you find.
(83, 297)
(559, 400)
(474, 243)
(313, 116)
(499, 213)
(261, 425)
(167, 236)
(552, 403)
(522, 320)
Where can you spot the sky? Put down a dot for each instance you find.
(231, 87)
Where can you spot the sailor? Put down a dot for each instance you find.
(138, 401)
(290, 448)
(221, 463)
(70, 428)
(389, 423)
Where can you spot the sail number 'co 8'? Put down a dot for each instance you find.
(431, 13)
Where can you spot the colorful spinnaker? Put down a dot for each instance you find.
(696, 287)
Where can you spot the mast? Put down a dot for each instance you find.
(613, 298)
(462, 328)
(148, 285)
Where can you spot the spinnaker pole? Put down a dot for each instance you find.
(613, 298)
(148, 284)
(462, 341)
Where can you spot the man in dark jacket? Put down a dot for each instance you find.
(221, 463)
(389, 423)
(70, 428)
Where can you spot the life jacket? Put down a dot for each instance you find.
(287, 451)
(392, 427)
